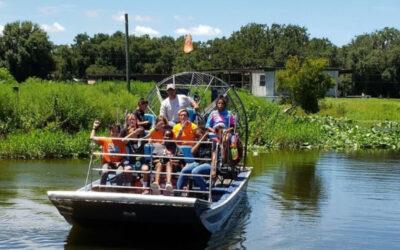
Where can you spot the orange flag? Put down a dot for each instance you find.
(188, 44)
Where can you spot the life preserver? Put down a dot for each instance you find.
(239, 153)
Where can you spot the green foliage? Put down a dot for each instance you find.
(366, 111)
(341, 133)
(68, 106)
(49, 119)
(6, 77)
(270, 128)
(375, 59)
(45, 143)
(306, 84)
(26, 51)
(98, 69)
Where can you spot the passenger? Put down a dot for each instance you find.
(110, 146)
(167, 149)
(175, 102)
(185, 129)
(202, 167)
(156, 134)
(220, 115)
(132, 130)
(139, 113)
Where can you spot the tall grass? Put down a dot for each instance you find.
(270, 127)
(53, 119)
(366, 111)
(45, 143)
(67, 106)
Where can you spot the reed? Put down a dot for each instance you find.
(53, 119)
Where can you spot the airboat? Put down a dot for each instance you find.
(96, 204)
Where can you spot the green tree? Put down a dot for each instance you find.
(375, 60)
(65, 63)
(306, 84)
(26, 50)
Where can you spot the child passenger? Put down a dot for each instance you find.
(167, 149)
(156, 134)
(132, 130)
(220, 115)
(139, 113)
(110, 146)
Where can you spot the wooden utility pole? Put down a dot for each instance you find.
(128, 83)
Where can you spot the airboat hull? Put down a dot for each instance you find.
(88, 208)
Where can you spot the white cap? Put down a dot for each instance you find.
(170, 86)
(219, 125)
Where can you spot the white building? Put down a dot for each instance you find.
(263, 83)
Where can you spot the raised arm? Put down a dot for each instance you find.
(96, 125)
(194, 105)
(180, 132)
(133, 134)
(197, 145)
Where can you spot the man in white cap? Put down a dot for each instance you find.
(174, 102)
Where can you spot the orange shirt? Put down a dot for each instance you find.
(157, 135)
(187, 133)
(112, 146)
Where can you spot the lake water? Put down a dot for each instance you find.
(296, 200)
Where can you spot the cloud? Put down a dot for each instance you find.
(182, 19)
(200, 30)
(2, 4)
(141, 30)
(143, 19)
(55, 27)
(1, 29)
(92, 13)
(119, 17)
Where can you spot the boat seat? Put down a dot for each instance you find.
(128, 151)
(186, 150)
(192, 114)
(150, 117)
(148, 149)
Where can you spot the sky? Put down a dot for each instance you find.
(339, 21)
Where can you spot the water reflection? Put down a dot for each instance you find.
(167, 237)
(7, 176)
(296, 200)
(233, 233)
(296, 183)
(138, 237)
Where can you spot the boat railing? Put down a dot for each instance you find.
(150, 163)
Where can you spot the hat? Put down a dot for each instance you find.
(219, 125)
(170, 86)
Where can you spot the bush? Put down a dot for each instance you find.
(6, 77)
(306, 84)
